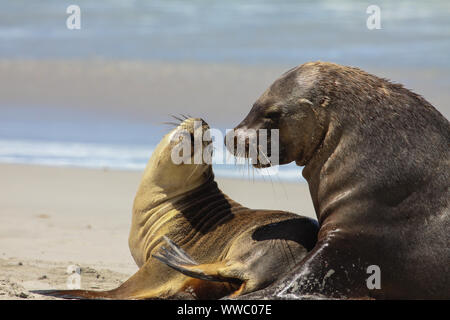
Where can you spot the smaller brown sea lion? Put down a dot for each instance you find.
(240, 249)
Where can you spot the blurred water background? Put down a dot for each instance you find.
(413, 45)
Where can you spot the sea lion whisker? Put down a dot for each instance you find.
(253, 174)
(283, 187)
(177, 118)
(267, 170)
(170, 123)
(264, 155)
(248, 169)
(247, 164)
(276, 175)
(192, 173)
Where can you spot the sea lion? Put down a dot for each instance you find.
(228, 248)
(376, 159)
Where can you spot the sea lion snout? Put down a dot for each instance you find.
(178, 161)
(253, 144)
(287, 107)
(193, 132)
(191, 126)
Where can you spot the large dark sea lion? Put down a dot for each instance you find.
(228, 248)
(376, 158)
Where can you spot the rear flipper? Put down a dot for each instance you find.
(139, 286)
(178, 259)
(75, 294)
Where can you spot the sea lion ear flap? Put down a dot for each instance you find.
(303, 101)
(324, 101)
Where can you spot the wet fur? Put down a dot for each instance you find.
(376, 159)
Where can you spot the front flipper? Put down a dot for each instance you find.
(75, 294)
(178, 259)
(334, 269)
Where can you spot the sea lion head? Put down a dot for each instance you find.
(181, 161)
(294, 106)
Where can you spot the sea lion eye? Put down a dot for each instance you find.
(273, 115)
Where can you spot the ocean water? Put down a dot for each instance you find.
(75, 138)
(119, 157)
(413, 34)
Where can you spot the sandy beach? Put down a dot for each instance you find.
(51, 218)
(54, 217)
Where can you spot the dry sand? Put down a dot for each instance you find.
(51, 218)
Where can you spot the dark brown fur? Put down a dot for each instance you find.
(376, 159)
